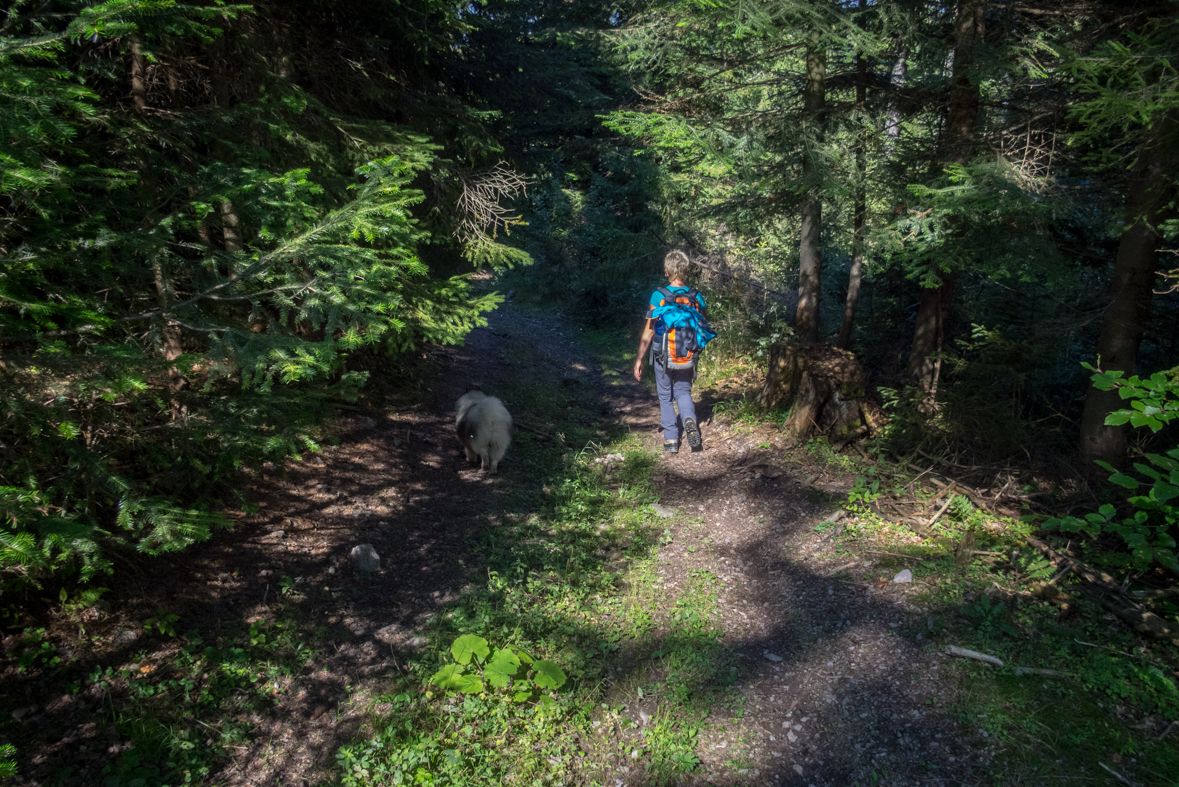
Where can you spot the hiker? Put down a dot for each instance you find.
(676, 315)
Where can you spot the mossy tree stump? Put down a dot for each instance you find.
(826, 390)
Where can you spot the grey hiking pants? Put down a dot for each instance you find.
(674, 388)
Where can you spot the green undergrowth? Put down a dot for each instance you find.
(1108, 690)
(572, 586)
(571, 582)
(180, 703)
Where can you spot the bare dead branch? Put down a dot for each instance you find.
(479, 203)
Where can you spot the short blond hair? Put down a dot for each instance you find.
(676, 265)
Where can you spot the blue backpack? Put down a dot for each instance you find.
(681, 328)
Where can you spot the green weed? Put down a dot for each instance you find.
(183, 715)
(163, 622)
(989, 617)
(37, 651)
(7, 761)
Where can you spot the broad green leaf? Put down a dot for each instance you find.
(521, 696)
(1148, 471)
(1145, 502)
(1158, 460)
(1163, 492)
(499, 672)
(1123, 480)
(469, 645)
(506, 654)
(548, 675)
(469, 684)
(449, 677)
(546, 703)
(1149, 421)
(1116, 418)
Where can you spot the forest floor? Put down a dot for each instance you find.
(719, 615)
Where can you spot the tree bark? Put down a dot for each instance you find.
(138, 75)
(859, 210)
(171, 346)
(230, 228)
(1131, 291)
(826, 390)
(231, 235)
(962, 118)
(957, 147)
(929, 336)
(892, 122)
(810, 248)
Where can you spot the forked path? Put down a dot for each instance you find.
(836, 680)
(839, 683)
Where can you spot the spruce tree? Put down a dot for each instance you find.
(207, 214)
(1129, 108)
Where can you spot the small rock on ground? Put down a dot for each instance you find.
(365, 559)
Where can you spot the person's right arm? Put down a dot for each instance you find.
(644, 345)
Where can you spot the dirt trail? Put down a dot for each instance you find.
(837, 680)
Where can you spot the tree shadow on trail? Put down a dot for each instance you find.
(279, 650)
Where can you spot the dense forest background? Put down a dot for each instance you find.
(233, 233)
(215, 216)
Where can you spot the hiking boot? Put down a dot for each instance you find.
(671, 447)
(692, 432)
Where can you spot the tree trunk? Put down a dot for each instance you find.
(171, 346)
(811, 244)
(929, 336)
(1131, 290)
(230, 228)
(859, 210)
(826, 390)
(957, 145)
(783, 376)
(892, 122)
(962, 118)
(138, 75)
(231, 235)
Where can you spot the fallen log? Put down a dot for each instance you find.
(964, 653)
(1132, 613)
(1102, 588)
(1078, 567)
(1052, 673)
(1163, 593)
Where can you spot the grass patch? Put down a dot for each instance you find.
(180, 709)
(572, 580)
(1111, 686)
(576, 585)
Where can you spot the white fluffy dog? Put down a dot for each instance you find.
(484, 428)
